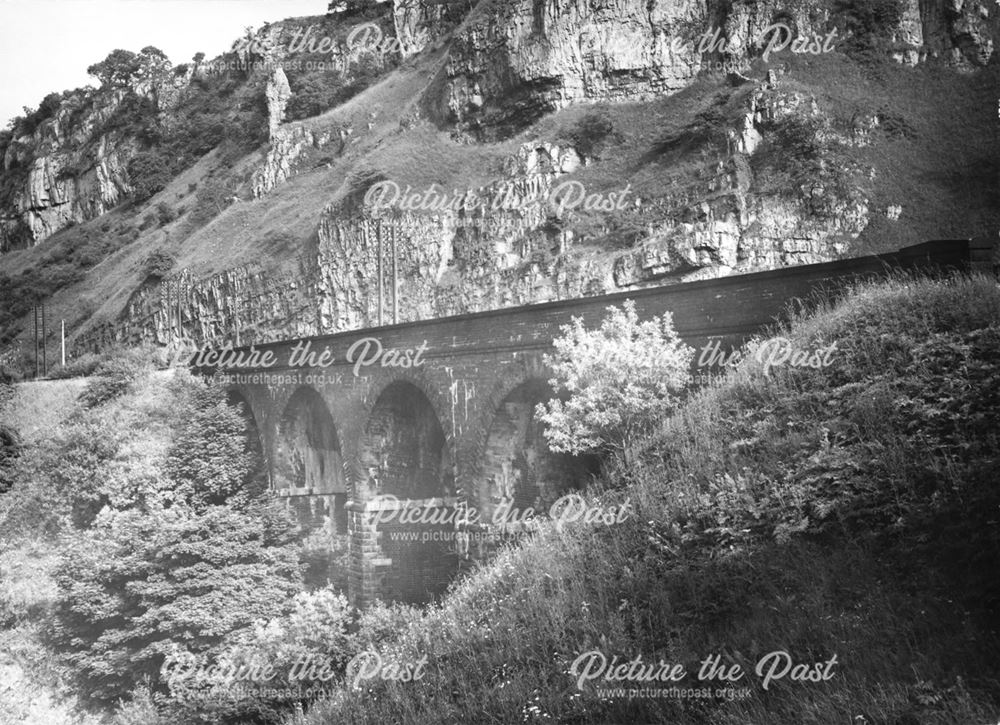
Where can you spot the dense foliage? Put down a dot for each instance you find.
(848, 510)
(620, 379)
(161, 546)
(140, 583)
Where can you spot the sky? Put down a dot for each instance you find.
(47, 45)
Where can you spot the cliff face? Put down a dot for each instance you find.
(434, 252)
(66, 174)
(768, 177)
(513, 62)
(73, 166)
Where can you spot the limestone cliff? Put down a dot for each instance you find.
(65, 175)
(757, 167)
(514, 61)
(73, 166)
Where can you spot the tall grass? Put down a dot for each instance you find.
(848, 511)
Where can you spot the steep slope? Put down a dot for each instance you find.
(842, 519)
(479, 115)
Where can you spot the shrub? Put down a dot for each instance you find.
(589, 132)
(212, 198)
(10, 449)
(142, 584)
(868, 23)
(621, 379)
(149, 174)
(61, 482)
(210, 461)
(114, 378)
(158, 264)
(81, 367)
(165, 213)
(306, 643)
(118, 370)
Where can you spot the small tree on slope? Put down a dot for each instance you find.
(620, 379)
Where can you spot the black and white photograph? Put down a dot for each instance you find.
(499, 362)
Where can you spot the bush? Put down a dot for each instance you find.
(211, 199)
(62, 482)
(621, 379)
(589, 132)
(149, 174)
(80, 367)
(158, 264)
(312, 638)
(113, 379)
(165, 213)
(868, 23)
(211, 460)
(141, 584)
(10, 449)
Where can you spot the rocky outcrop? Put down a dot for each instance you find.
(65, 175)
(405, 254)
(287, 144)
(418, 22)
(73, 166)
(513, 62)
(277, 94)
(240, 305)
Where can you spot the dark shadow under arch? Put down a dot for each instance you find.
(260, 478)
(404, 450)
(404, 453)
(515, 464)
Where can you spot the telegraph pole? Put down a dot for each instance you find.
(180, 314)
(34, 311)
(395, 281)
(62, 342)
(381, 281)
(45, 361)
(168, 326)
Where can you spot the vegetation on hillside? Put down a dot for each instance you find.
(620, 380)
(849, 510)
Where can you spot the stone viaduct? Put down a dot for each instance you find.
(443, 417)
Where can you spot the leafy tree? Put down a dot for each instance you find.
(211, 199)
(149, 174)
(10, 449)
(210, 462)
(620, 378)
(202, 557)
(121, 67)
(589, 132)
(117, 69)
(868, 22)
(140, 584)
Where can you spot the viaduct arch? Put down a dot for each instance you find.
(441, 418)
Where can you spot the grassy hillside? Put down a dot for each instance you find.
(848, 511)
(930, 156)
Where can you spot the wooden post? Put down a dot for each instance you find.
(62, 342)
(34, 311)
(180, 314)
(45, 361)
(381, 282)
(395, 282)
(168, 324)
